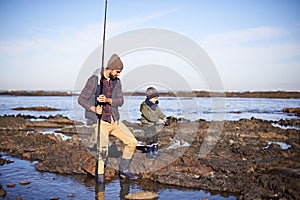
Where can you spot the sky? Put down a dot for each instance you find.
(254, 44)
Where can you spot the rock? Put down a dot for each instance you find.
(59, 119)
(9, 161)
(142, 195)
(296, 111)
(12, 123)
(20, 123)
(292, 123)
(4, 161)
(26, 156)
(10, 185)
(271, 136)
(238, 162)
(235, 112)
(44, 124)
(231, 142)
(82, 131)
(2, 192)
(89, 165)
(37, 108)
(25, 182)
(54, 155)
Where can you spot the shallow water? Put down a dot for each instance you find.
(282, 145)
(45, 185)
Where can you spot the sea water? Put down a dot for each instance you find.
(45, 185)
(188, 108)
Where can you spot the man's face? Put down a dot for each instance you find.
(115, 73)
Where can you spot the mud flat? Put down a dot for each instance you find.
(249, 158)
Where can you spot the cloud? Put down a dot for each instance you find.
(259, 58)
(53, 57)
(51, 61)
(116, 27)
(257, 34)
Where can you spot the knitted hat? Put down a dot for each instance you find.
(114, 63)
(151, 92)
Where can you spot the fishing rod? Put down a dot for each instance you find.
(99, 151)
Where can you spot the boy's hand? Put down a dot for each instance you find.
(164, 121)
(161, 121)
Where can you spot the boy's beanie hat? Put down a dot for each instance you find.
(151, 92)
(114, 63)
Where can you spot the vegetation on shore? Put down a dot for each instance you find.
(35, 93)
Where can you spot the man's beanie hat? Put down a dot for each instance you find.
(151, 92)
(114, 63)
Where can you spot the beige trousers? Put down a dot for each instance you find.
(120, 131)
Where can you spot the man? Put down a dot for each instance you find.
(101, 97)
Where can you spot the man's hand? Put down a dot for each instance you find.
(103, 99)
(97, 109)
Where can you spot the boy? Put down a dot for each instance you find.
(151, 116)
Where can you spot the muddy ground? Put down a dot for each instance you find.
(240, 157)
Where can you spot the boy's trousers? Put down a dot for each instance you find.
(150, 134)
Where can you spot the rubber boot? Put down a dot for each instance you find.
(150, 152)
(155, 151)
(100, 178)
(99, 189)
(124, 169)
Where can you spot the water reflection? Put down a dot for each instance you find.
(119, 188)
(99, 191)
(44, 185)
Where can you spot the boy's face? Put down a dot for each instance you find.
(153, 99)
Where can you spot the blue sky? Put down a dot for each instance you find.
(254, 44)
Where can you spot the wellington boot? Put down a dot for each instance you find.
(124, 169)
(150, 152)
(155, 151)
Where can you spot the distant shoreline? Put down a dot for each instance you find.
(255, 94)
(262, 94)
(35, 93)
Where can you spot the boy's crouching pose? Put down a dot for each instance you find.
(151, 115)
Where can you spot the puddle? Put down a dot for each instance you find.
(285, 127)
(176, 144)
(282, 145)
